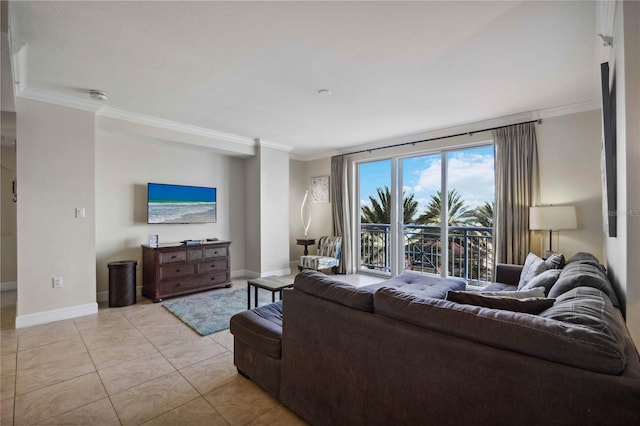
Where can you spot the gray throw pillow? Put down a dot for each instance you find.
(531, 305)
(555, 261)
(520, 294)
(533, 265)
(545, 279)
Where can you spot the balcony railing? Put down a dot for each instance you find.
(470, 250)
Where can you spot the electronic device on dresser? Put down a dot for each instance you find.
(177, 269)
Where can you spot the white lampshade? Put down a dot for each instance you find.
(552, 218)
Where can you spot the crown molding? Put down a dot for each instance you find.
(58, 99)
(462, 128)
(268, 144)
(147, 120)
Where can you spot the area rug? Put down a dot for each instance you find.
(210, 312)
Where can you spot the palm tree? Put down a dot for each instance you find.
(459, 214)
(380, 209)
(484, 215)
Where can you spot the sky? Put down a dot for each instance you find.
(470, 171)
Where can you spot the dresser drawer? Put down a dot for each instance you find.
(176, 270)
(195, 254)
(212, 279)
(179, 285)
(215, 252)
(172, 256)
(212, 266)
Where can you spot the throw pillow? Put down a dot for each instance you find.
(531, 305)
(546, 280)
(519, 294)
(533, 265)
(555, 261)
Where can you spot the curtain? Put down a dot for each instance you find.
(341, 210)
(516, 183)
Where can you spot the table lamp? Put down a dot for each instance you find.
(552, 218)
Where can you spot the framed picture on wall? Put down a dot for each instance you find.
(319, 190)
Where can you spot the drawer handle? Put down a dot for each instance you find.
(215, 252)
(177, 284)
(213, 266)
(177, 270)
(213, 278)
(174, 256)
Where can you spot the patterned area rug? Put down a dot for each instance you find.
(210, 312)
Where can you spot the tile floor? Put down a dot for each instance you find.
(132, 365)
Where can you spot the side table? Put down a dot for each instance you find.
(273, 284)
(306, 243)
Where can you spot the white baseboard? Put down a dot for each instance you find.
(103, 296)
(277, 272)
(56, 315)
(241, 273)
(8, 286)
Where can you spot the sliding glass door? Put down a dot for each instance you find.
(437, 212)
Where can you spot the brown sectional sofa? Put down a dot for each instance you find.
(393, 354)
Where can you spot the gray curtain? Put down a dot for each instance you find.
(341, 210)
(516, 186)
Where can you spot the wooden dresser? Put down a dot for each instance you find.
(175, 269)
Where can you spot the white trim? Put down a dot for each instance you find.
(268, 144)
(277, 272)
(8, 286)
(464, 127)
(19, 68)
(58, 99)
(147, 120)
(56, 315)
(251, 274)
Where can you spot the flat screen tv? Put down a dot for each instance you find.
(180, 204)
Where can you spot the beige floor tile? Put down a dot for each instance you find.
(184, 355)
(40, 335)
(49, 364)
(149, 400)
(196, 412)
(166, 336)
(8, 342)
(224, 337)
(110, 336)
(57, 399)
(8, 318)
(240, 401)
(211, 373)
(100, 413)
(7, 386)
(132, 373)
(103, 320)
(6, 411)
(279, 415)
(105, 356)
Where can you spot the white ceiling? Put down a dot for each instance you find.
(253, 69)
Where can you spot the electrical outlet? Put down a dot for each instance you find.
(57, 282)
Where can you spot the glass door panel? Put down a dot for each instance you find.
(421, 180)
(376, 204)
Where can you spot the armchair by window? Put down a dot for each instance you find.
(328, 255)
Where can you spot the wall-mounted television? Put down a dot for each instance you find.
(180, 204)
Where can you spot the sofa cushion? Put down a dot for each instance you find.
(533, 335)
(555, 261)
(545, 279)
(499, 287)
(420, 285)
(531, 305)
(323, 286)
(260, 328)
(583, 273)
(583, 257)
(516, 294)
(533, 265)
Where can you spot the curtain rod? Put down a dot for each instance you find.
(370, 150)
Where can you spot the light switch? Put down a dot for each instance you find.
(80, 213)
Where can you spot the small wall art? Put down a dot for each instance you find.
(319, 190)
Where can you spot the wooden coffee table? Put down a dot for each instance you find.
(273, 284)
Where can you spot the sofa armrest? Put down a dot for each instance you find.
(508, 273)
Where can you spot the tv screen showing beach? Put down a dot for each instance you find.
(181, 204)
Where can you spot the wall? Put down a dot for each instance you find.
(300, 174)
(569, 152)
(55, 172)
(124, 166)
(8, 262)
(623, 251)
(252, 214)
